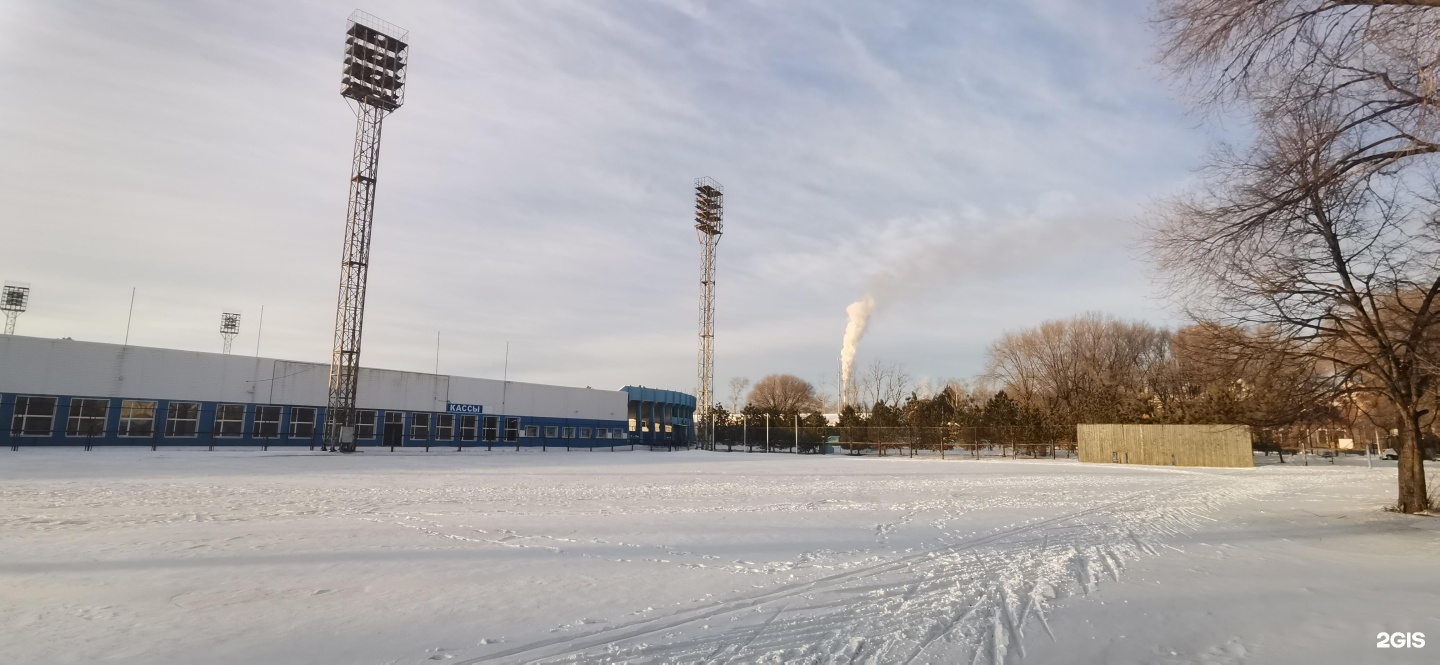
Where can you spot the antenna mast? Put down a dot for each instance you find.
(374, 80)
(709, 222)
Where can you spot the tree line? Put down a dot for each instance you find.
(1092, 368)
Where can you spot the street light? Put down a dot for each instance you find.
(767, 432)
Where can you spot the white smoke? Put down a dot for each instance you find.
(905, 255)
(859, 315)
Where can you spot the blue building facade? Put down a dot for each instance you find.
(38, 419)
(63, 392)
(660, 417)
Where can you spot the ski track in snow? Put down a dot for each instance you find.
(948, 596)
(970, 600)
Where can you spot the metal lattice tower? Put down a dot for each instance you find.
(229, 327)
(14, 302)
(709, 222)
(374, 80)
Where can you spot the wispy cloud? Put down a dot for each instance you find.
(535, 189)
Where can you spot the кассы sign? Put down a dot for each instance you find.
(464, 408)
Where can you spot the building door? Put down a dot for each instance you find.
(394, 428)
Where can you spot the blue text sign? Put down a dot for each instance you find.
(465, 408)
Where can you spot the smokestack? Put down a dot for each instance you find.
(859, 315)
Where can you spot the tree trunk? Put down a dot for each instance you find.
(1412, 467)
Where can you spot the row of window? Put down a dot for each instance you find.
(88, 417)
(35, 416)
(557, 432)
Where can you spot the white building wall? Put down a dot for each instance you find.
(32, 365)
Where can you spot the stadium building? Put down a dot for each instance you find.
(64, 392)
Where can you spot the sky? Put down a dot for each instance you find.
(977, 167)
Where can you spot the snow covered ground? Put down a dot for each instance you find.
(128, 555)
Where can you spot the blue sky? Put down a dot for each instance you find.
(979, 167)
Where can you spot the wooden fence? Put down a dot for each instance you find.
(1166, 445)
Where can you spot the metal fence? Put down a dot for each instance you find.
(977, 442)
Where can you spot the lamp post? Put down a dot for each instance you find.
(767, 432)
(797, 432)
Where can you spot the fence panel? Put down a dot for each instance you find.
(1166, 445)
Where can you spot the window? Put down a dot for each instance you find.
(531, 431)
(467, 427)
(267, 422)
(137, 418)
(87, 417)
(302, 422)
(420, 426)
(34, 416)
(182, 419)
(617, 433)
(602, 433)
(444, 427)
(567, 433)
(365, 424)
(229, 420)
(512, 429)
(492, 427)
(551, 431)
(584, 432)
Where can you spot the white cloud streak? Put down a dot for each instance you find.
(535, 187)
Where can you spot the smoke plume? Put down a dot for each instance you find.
(906, 255)
(859, 314)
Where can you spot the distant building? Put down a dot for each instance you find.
(67, 392)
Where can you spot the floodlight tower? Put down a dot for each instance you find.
(709, 221)
(14, 301)
(229, 327)
(374, 81)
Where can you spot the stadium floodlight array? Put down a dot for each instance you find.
(375, 58)
(14, 302)
(373, 78)
(229, 327)
(709, 223)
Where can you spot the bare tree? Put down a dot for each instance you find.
(1338, 265)
(783, 393)
(883, 383)
(737, 392)
(1254, 377)
(1087, 368)
(1372, 62)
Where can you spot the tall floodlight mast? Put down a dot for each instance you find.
(14, 301)
(229, 327)
(374, 81)
(709, 221)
